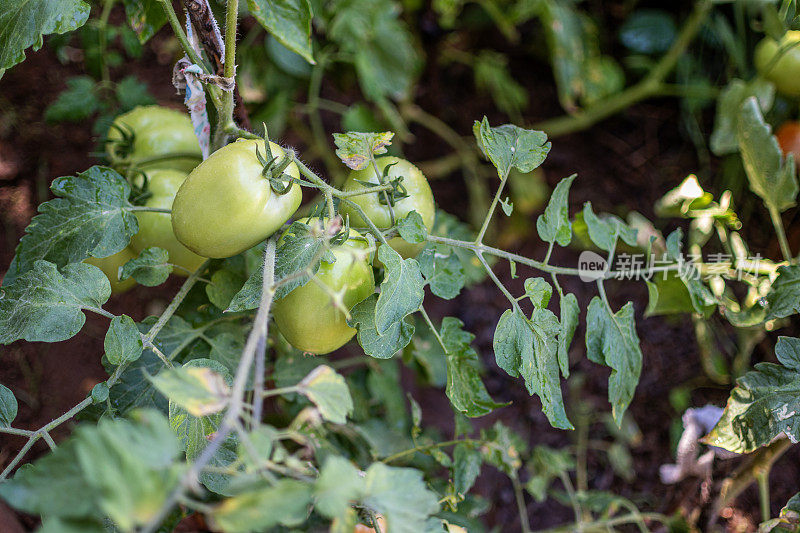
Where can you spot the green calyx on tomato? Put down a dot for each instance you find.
(308, 317)
(411, 193)
(779, 62)
(789, 140)
(110, 266)
(227, 205)
(147, 136)
(155, 229)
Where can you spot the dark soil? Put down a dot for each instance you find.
(626, 163)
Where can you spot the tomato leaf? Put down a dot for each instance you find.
(123, 342)
(150, 268)
(510, 146)
(145, 17)
(464, 386)
(764, 404)
(443, 273)
(611, 340)
(356, 149)
(412, 228)
(90, 217)
(466, 467)
(771, 177)
(784, 294)
(76, 103)
(648, 31)
(605, 231)
(8, 406)
(328, 391)
(284, 502)
(338, 484)
(729, 105)
(401, 291)
(375, 344)
(200, 387)
(289, 21)
(401, 496)
(554, 225)
(24, 23)
(45, 305)
(570, 312)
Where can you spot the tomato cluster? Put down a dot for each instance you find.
(242, 194)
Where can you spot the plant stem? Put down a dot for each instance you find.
(279, 391)
(602, 526)
(519, 496)
(103, 37)
(148, 209)
(176, 302)
(492, 207)
(651, 85)
(763, 494)
(775, 215)
(177, 29)
(445, 444)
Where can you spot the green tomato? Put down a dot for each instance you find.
(155, 229)
(226, 206)
(419, 199)
(307, 318)
(783, 71)
(110, 266)
(151, 131)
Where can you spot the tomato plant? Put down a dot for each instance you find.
(281, 386)
(232, 200)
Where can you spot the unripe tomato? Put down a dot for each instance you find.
(789, 139)
(110, 267)
(307, 318)
(227, 206)
(419, 199)
(784, 72)
(151, 131)
(155, 229)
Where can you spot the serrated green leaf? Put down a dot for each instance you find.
(771, 177)
(412, 228)
(289, 21)
(90, 217)
(45, 305)
(338, 484)
(783, 298)
(131, 91)
(123, 343)
(611, 340)
(443, 273)
(356, 149)
(329, 392)
(285, 502)
(150, 268)
(224, 286)
(464, 388)
(466, 467)
(381, 45)
(77, 102)
(145, 17)
(52, 486)
(570, 312)
(400, 495)
(506, 450)
(401, 291)
(510, 146)
(380, 345)
(729, 104)
(24, 23)
(200, 387)
(554, 225)
(8, 406)
(538, 291)
(764, 404)
(605, 231)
